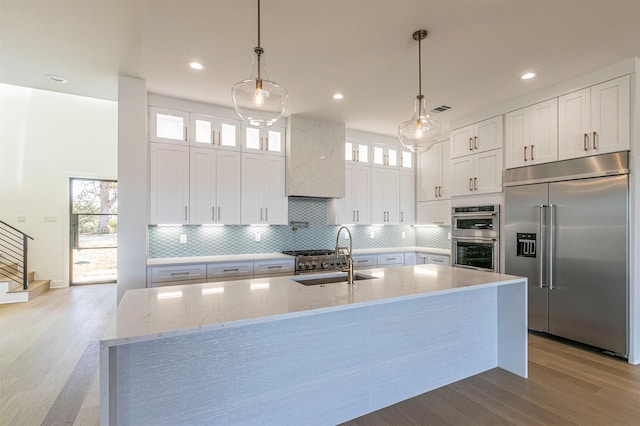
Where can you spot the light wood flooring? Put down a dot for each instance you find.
(49, 375)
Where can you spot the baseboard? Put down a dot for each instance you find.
(59, 284)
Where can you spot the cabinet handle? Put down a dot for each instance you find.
(475, 183)
(475, 142)
(232, 270)
(439, 191)
(358, 156)
(218, 212)
(594, 140)
(266, 148)
(353, 215)
(179, 273)
(357, 215)
(470, 144)
(435, 191)
(586, 141)
(525, 153)
(219, 137)
(186, 134)
(185, 212)
(470, 184)
(353, 155)
(275, 267)
(266, 213)
(213, 213)
(402, 217)
(532, 153)
(260, 214)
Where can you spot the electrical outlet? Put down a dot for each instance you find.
(183, 239)
(372, 234)
(404, 234)
(258, 237)
(22, 218)
(50, 219)
(449, 235)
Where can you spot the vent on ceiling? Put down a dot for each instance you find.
(441, 108)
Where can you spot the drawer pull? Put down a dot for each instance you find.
(180, 273)
(232, 270)
(275, 267)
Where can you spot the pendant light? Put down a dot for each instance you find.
(258, 100)
(419, 133)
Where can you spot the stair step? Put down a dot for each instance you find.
(36, 288)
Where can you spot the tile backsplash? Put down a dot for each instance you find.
(221, 240)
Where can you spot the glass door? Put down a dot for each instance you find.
(94, 231)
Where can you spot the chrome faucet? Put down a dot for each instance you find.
(346, 252)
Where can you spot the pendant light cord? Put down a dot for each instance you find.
(259, 23)
(419, 66)
(259, 49)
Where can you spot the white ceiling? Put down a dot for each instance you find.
(472, 58)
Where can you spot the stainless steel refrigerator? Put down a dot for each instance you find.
(567, 232)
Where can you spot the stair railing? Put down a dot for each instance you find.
(13, 248)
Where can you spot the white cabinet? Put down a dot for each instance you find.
(263, 194)
(479, 137)
(169, 184)
(355, 207)
(214, 132)
(384, 196)
(390, 260)
(410, 259)
(434, 173)
(385, 156)
(273, 267)
(433, 213)
(433, 259)
(357, 152)
(594, 120)
(364, 261)
(217, 272)
(167, 125)
(267, 140)
(407, 198)
(477, 174)
(214, 187)
(532, 135)
(406, 160)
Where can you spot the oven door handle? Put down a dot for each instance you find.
(475, 239)
(481, 214)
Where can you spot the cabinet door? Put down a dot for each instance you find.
(384, 156)
(462, 176)
(610, 116)
(391, 196)
(406, 160)
(407, 198)
(462, 141)
(228, 187)
(274, 140)
(203, 131)
(274, 199)
(487, 134)
(433, 213)
(356, 151)
(378, 214)
(361, 194)
(488, 172)
(574, 124)
(252, 175)
(517, 134)
(543, 128)
(169, 184)
(444, 192)
(344, 211)
(202, 186)
(429, 173)
(167, 125)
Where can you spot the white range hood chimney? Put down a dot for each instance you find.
(315, 157)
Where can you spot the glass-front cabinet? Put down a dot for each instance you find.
(357, 152)
(267, 140)
(215, 132)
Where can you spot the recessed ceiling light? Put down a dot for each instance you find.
(56, 78)
(196, 65)
(528, 75)
(338, 96)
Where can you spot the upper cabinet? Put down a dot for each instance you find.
(263, 197)
(167, 125)
(532, 135)
(357, 152)
(407, 198)
(213, 132)
(385, 156)
(180, 127)
(479, 137)
(267, 140)
(406, 160)
(355, 207)
(434, 173)
(477, 174)
(594, 120)
(169, 184)
(384, 196)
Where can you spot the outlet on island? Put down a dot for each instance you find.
(183, 239)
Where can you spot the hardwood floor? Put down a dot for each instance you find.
(49, 375)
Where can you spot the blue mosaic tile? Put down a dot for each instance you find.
(215, 240)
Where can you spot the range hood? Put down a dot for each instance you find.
(315, 157)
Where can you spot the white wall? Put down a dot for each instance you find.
(46, 138)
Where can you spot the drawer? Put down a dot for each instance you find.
(438, 259)
(274, 267)
(161, 274)
(181, 282)
(396, 259)
(365, 261)
(409, 259)
(220, 271)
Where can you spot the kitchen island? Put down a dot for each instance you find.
(275, 351)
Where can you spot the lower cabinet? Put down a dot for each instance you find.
(410, 259)
(435, 259)
(364, 261)
(160, 276)
(390, 259)
(273, 268)
(229, 271)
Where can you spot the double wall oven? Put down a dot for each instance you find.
(475, 237)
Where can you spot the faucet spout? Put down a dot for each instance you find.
(346, 252)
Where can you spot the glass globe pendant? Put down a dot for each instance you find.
(258, 100)
(420, 132)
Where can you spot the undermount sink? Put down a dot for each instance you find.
(334, 278)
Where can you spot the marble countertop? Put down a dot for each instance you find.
(166, 261)
(152, 313)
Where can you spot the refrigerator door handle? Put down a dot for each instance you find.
(541, 247)
(551, 238)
